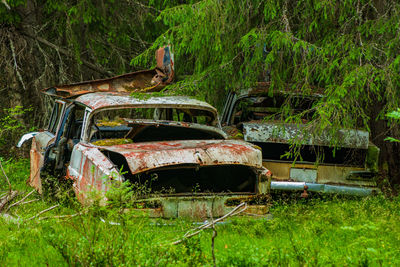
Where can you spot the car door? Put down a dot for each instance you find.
(41, 142)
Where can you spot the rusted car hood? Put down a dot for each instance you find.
(145, 156)
(277, 132)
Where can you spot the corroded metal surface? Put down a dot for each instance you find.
(145, 156)
(326, 174)
(36, 163)
(39, 145)
(91, 171)
(283, 133)
(200, 207)
(146, 80)
(124, 83)
(116, 100)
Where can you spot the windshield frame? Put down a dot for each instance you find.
(215, 126)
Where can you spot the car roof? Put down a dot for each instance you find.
(102, 100)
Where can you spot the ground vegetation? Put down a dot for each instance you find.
(330, 231)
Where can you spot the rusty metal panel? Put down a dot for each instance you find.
(326, 174)
(147, 80)
(39, 144)
(36, 163)
(117, 100)
(303, 175)
(283, 133)
(91, 171)
(146, 156)
(124, 83)
(200, 207)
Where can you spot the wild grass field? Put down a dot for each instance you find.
(334, 231)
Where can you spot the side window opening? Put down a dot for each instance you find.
(55, 117)
(70, 135)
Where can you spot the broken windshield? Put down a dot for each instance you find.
(129, 125)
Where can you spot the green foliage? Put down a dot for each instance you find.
(58, 189)
(395, 115)
(17, 171)
(343, 49)
(105, 30)
(11, 126)
(10, 16)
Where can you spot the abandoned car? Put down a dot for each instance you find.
(174, 145)
(255, 116)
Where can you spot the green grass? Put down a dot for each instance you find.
(336, 232)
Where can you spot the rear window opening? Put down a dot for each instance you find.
(260, 108)
(191, 178)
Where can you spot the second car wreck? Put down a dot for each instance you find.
(255, 116)
(171, 144)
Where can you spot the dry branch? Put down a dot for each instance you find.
(43, 211)
(5, 3)
(211, 224)
(2, 195)
(7, 198)
(20, 202)
(6, 177)
(60, 216)
(68, 54)
(15, 63)
(30, 201)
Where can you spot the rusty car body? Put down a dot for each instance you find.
(99, 133)
(254, 115)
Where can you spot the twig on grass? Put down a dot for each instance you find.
(6, 177)
(29, 201)
(21, 201)
(43, 211)
(60, 216)
(10, 196)
(206, 225)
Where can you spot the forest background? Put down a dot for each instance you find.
(348, 48)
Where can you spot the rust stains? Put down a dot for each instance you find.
(145, 156)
